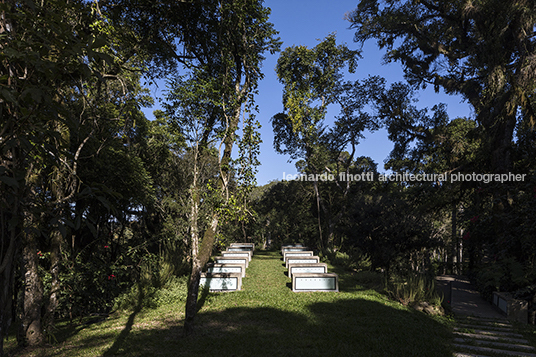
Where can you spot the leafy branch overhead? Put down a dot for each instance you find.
(484, 51)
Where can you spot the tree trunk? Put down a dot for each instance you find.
(32, 328)
(6, 280)
(318, 203)
(200, 252)
(454, 239)
(191, 300)
(193, 285)
(55, 259)
(201, 258)
(10, 231)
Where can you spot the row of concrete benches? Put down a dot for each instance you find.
(304, 268)
(227, 270)
(306, 271)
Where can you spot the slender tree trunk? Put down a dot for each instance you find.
(201, 259)
(33, 292)
(10, 246)
(11, 223)
(193, 285)
(454, 256)
(200, 251)
(317, 194)
(53, 299)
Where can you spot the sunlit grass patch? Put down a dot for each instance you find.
(266, 319)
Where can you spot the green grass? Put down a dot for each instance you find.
(265, 319)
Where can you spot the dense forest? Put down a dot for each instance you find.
(99, 204)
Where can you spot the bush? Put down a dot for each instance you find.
(411, 288)
(505, 275)
(175, 290)
(147, 295)
(354, 260)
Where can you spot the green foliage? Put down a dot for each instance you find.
(506, 274)
(312, 79)
(91, 281)
(354, 260)
(285, 213)
(412, 287)
(465, 48)
(391, 229)
(267, 313)
(147, 295)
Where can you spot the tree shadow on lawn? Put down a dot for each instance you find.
(356, 327)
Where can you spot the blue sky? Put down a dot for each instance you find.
(301, 22)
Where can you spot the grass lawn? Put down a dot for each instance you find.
(264, 319)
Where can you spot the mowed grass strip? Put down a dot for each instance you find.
(267, 319)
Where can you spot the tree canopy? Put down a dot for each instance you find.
(482, 50)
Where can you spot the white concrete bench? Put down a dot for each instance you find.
(305, 253)
(230, 253)
(309, 282)
(221, 281)
(231, 260)
(514, 309)
(307, 268)
(240, 249)
(292, 249)
(243, 245)
(226, 268)
(302, 260)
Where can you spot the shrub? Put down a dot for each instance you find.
(354, 260)
(147, 295)
(413, 287)
(505, 274)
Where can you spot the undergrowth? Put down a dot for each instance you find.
(265, 318)
(412, 287)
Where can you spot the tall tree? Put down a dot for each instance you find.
(225, 70)
(313, 80)
(45, 47)
(483, 50)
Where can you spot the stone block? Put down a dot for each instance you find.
(240, 249)
(307, 268)
(514, 309)
(231, 253)
(221, 281)
(310, 282)
(227, 268)
(243, 245)
(304, 253)
(293, 249)
(302, 260)
(231, 260)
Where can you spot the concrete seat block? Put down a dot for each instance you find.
(221, 281)
(226, 268)
(243, 245)
(310, 282)
(307, 268)
(231, 253)
(231, 260)
(302, 260)
(306, 253)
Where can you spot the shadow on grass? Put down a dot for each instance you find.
(119, 341)
(355, 327)
(282, 324)
(204, 294)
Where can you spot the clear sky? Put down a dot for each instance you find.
(307, 22)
